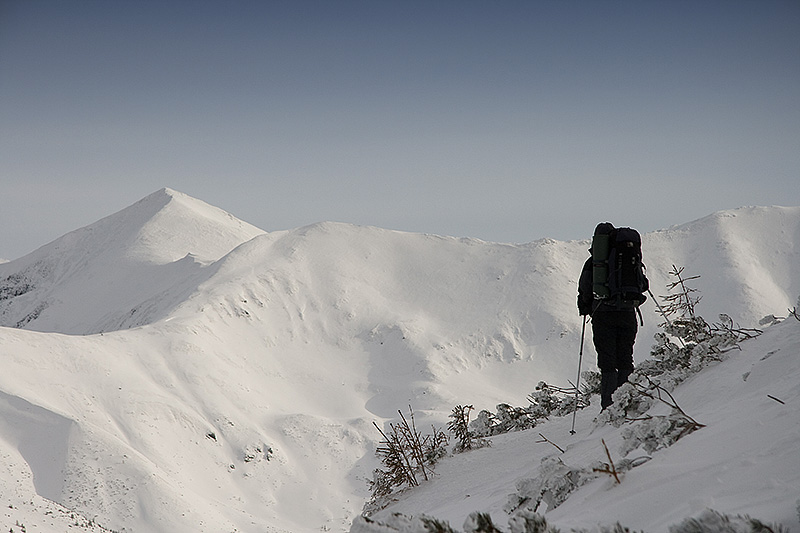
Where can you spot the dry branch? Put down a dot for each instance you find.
(545, 439)
(609, 469)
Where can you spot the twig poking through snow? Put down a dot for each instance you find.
(545, 439)
(610, 469)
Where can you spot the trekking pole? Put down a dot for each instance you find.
(578, 381)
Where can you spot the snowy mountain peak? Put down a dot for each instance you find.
(109, 268)
(167, 225)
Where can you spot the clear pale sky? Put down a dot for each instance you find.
(507, 121)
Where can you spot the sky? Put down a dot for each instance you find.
(505, 121)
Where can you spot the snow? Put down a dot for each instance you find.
(113, 269)
(743, 462)
(172, 368)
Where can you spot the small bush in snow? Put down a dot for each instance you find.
(729, 334)
(506, 419)
(631, 403)
(698, 343)
(483, 424)
(527, 521)
(543, 400)
(655, 433)
(711, 521)
(511, 418)
(590, 383)
(400, 523)
(480, 523)
(556, 481)
(682, 301)
(459, 427)
(407, 455)
(523, 522)
(547, 400)
(433, 525)
(628, 403)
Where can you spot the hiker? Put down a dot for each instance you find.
(610, 291)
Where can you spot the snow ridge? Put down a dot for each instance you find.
(216, 377)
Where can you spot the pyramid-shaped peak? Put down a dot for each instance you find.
(167, 194)
(161, 228)
(167, 225)
(107, 269)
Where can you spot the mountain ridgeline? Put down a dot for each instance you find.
(171, 335)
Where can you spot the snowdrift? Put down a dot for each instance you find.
(194, 373)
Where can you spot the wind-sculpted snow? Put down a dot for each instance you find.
(217, 377)
(421, 306)
(42, 438)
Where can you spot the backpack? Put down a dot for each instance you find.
(618, 274)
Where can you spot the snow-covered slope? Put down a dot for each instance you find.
(744, 462)
(747, 259)
(105, 275)
(190, 372)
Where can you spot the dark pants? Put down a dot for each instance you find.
(614, 332)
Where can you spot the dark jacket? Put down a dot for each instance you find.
(585, 291)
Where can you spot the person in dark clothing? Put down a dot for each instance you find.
(613, 333)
